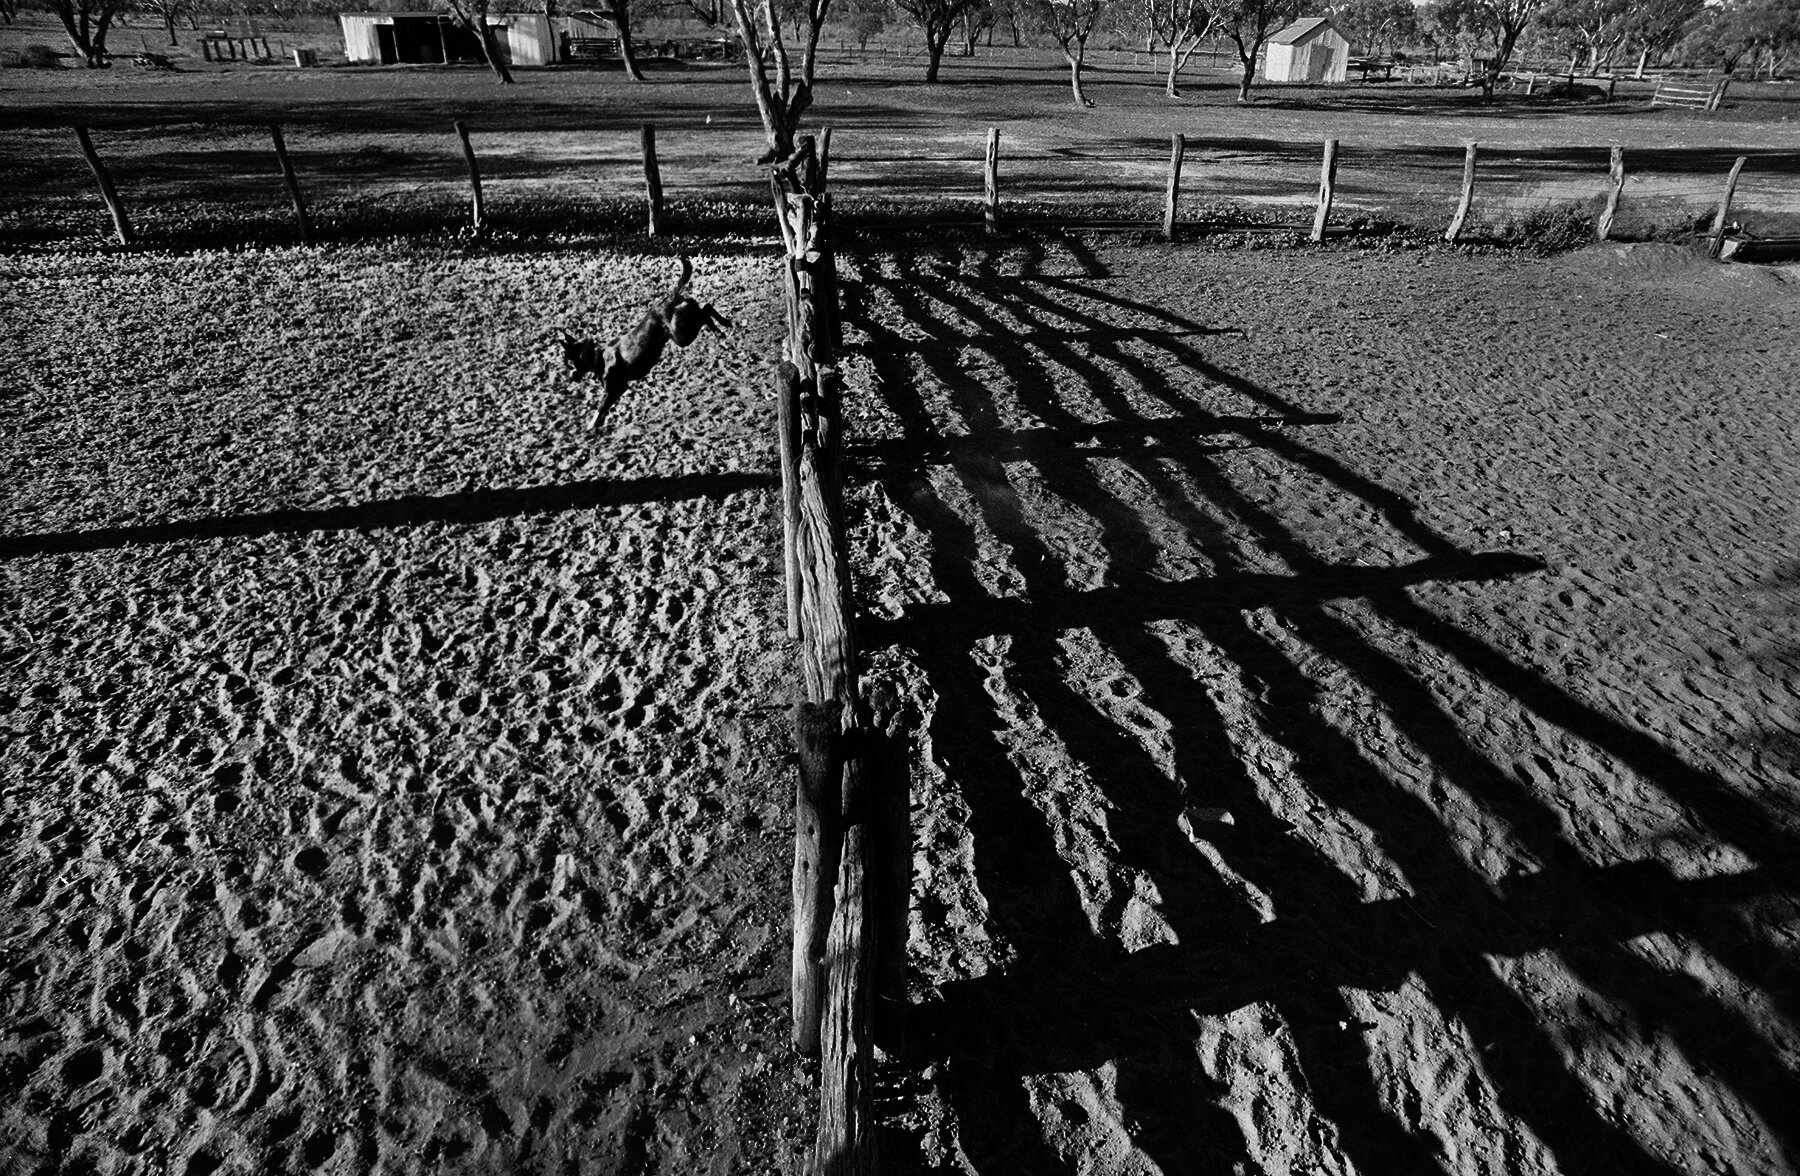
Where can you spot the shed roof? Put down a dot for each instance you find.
(1301, 30)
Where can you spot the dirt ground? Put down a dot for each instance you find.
(1357, 697)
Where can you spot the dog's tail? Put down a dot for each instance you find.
(687, 273)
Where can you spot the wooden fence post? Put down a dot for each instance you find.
(824, 154)
(1177, 148)
(818, 738)
(653, 181)
(1468, 196)
(1327, 188)
(1615, 173)
(293, 184)
(480, 221)
(844, 1145)
(1718, 230)
(992, 174)
(787, 425)
(1718, 94)
(108, 193)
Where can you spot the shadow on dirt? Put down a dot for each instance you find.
(474, 506)
(1069, 1000)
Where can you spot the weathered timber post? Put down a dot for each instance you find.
(1177, 149)
(1615, 173)
(108, 193)
(652, 181)
(819, 740)
(824, 154)
(1718, 94)
(1468, 196)
(1327, 189)
(1643, 56)
(1612, 85)
(991, 173)
(843, 1145)
(1530, 83)
(292, 183)
(1718, 230)
(475, 211)
(787, 425)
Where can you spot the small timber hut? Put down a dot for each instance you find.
(1309, 50)
(432, 38)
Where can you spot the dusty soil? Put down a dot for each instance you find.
(1360, 700)
(391, 772)
(1357, 700)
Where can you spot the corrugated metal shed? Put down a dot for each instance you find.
(430, 38)
(1309, 50)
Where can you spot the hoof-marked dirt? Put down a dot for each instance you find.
(1355, 698)
(1360, 703)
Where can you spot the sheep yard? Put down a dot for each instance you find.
(1345, 741)
(1353, 691)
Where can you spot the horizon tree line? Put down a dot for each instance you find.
(1762, 35)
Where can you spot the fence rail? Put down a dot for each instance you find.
(1206, 185)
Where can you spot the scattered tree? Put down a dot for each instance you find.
(1654, 26)
(867, 19)
(1594, 29)
(619, 12)
(1013, 12)
(781, 100)
(1378, 27)
(1728, 33)
(1071, 23)
(978, 17)
(473, 15)
(86, 23)
(936, 19)
(1178, 25)
(1251, 23)
(1492, 27)
(166, 12)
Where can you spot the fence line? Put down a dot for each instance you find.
(1610, 184)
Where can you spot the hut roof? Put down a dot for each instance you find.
(1301, 30)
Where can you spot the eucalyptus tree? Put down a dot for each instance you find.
(1071, 23)
(473, 15)
(782, 93)
(1250, 24)
(1491, 25)
(86, 23)
(1178, 26)
(937, 19)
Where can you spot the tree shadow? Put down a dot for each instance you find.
(1068, 996)
(413, 510)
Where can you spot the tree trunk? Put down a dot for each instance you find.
(1174, 64)
(1247, 79)
(169, 24)
(1074, 59)
(934, 52)
(484, 34)
(621, 18)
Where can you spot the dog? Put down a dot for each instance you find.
(629, 358)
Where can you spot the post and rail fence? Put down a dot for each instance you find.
(1609, 190)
